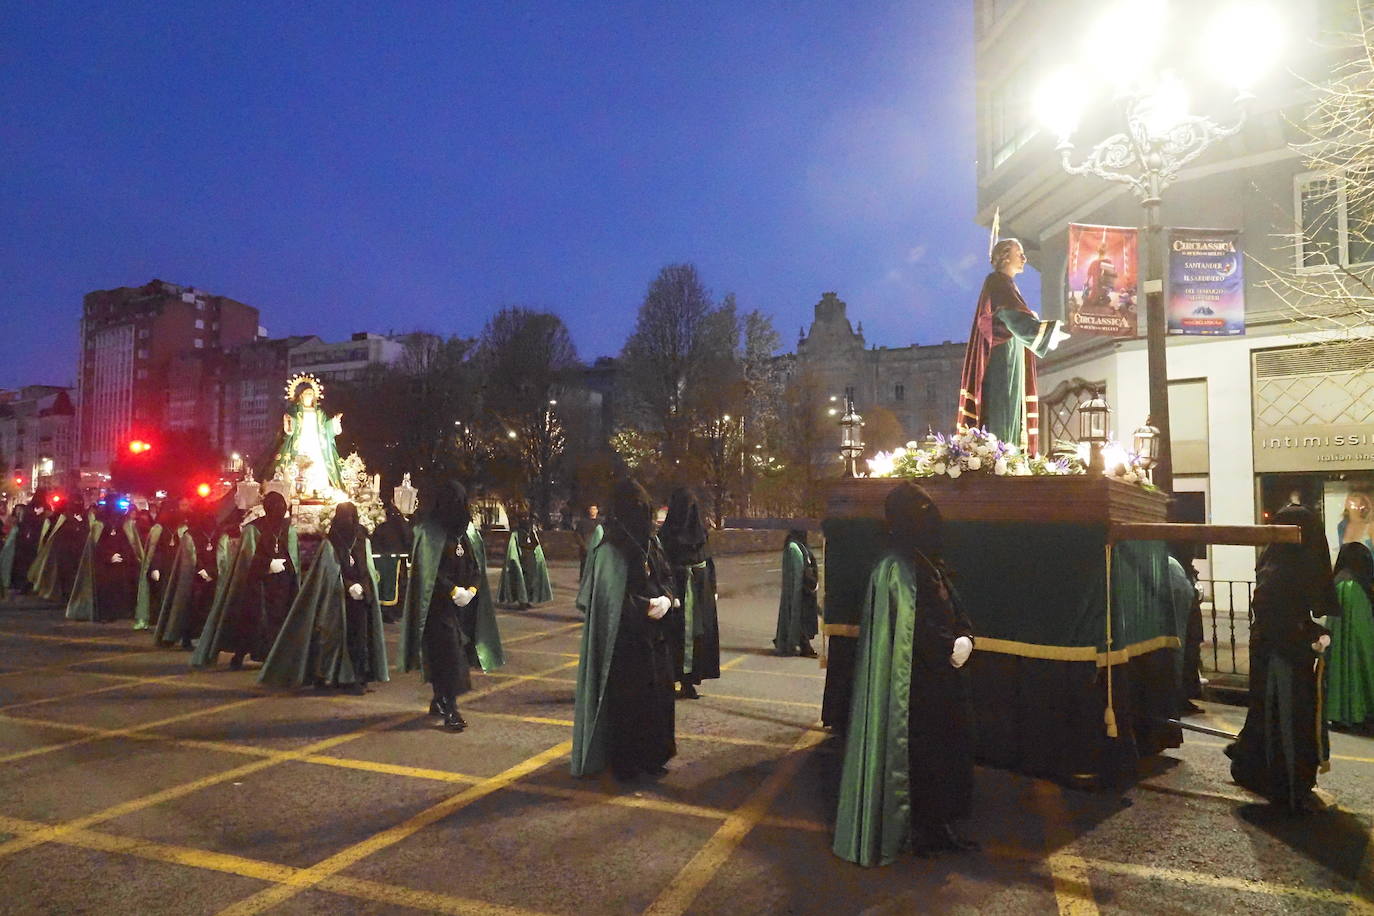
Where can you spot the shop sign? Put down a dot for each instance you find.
(1314, 448)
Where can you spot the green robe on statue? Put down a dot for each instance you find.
(600, 599)
(313, 643)
(424, 570)
(1350, 660)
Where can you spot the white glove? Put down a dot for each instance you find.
(157, 575)
(355, 591)
(205, 576)
(278, 565)
(963, 648)
(461, 596)
(1058, 336)
(659, 606)
(116, 558)
(1322, 642)
(677, 603)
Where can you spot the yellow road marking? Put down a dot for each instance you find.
(54, 832)
(373, 891)
(705, 696)
(123, 732)
(733, 662)
(692, 879)
(85, 661)
(1073, 892)
(123, 685)
(541, 634)
(312, 876)
(522, 649)
(112, 640)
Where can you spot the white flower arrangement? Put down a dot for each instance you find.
(977, 451)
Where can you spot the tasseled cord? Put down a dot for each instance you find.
(1109, 715)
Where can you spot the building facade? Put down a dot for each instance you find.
(912, 389)
(130, 339)
(346, 360)
(1278, 413)
(38, 438)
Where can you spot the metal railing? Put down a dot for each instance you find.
(1226, 619)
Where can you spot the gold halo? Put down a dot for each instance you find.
(303, 379)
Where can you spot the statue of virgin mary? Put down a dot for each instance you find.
(307, 450)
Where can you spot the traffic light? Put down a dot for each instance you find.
(203, 490)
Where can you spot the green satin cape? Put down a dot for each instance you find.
(81, 605)
(229, 588)
(518, 588)
(424, 569)
(313, 642)
(793, 630)
(600, 599)
(43, 570)
(874, 815)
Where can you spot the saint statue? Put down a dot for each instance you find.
(307, 451)
(997, 389)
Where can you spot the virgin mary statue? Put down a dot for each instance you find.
(307, 445)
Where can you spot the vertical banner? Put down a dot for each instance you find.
(1206, 282)
(1100, 281)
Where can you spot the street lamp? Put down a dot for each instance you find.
(851, 437)
(1159, 139)
(1145, 440)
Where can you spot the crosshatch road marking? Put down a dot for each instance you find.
(65, 666)
(304, 880)
(1073, 891)
(702, 867)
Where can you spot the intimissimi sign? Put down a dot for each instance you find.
(1314, 449)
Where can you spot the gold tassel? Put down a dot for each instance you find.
(1109, 715)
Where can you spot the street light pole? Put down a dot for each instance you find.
(1147, 156)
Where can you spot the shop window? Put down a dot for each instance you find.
(899, 393)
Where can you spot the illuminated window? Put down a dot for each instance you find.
(1010, 121)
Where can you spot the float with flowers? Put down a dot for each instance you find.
(1076, 633)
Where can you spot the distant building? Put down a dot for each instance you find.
(346, 360)
(918, 384)
(252, 391)
(38, 437)
(130, 338)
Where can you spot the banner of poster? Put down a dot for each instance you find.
(1206, 282)
(1100, 281)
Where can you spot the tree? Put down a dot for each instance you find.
(1337, 144)
(665, 357)
(528, 360)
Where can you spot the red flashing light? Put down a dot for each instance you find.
(203, 490)
(18, 480)
(138, 447)
(56, 499)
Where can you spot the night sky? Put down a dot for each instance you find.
(397, 166)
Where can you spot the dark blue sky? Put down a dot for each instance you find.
(393, 166)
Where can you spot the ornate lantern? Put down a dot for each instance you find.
(405, 497)
(247, 492)
(930, 442)
(1093, 417)
(851, 437)
(1146, 442)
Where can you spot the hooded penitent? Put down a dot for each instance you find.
(695, 634)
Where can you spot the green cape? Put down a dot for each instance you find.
(7, 559)
(874, 815)
(81, 605)
(238, 559)
(43, 570)
(796, 616)
(600, 599)
(424, 569)
(313, 642)
(143, 603)
(516, 587)
(1350, 660)
(172, 619)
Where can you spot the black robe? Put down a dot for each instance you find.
(391, 551)
(68, 544)
(202, 590)
(450, 631)
(26, 548)
(164, 552)
(265, 598)
(692, 567)
(639, 689)
(116, 584)
(357, 611)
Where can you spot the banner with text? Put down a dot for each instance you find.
(1206, 282)
(1100, 281)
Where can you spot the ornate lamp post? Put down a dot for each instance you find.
(851, 438)
(1093, 428)
(1159, 138)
